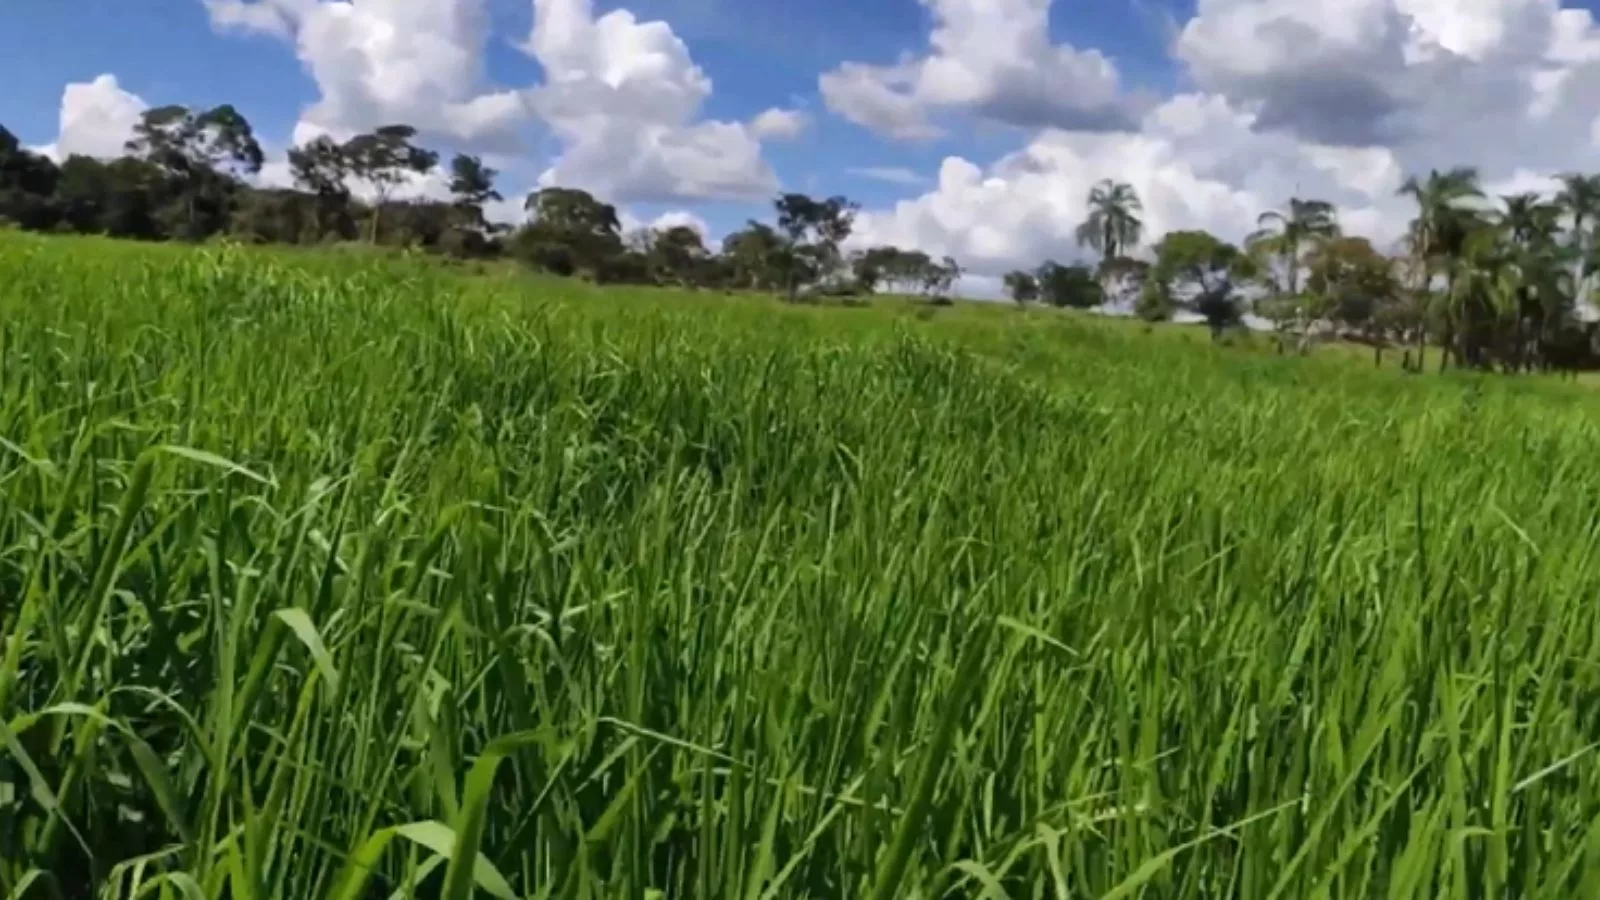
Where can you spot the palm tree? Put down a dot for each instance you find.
(1486, 284)
(1438, 233)
(1579, 197)
(1542, 265)
(1530, 219)
(1287, 233)
(1113, 227)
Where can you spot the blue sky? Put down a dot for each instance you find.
(1213, 109)
(758, 53)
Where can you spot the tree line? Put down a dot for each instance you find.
(1490, 282)
(186, 174)
(1494, 283)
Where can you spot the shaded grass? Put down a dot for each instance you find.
(332, 576)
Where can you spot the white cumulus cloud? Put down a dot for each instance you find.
(625, 96)
(97, 118)
(990, 58)
(776, 124)
(1338, 101)
(1196, 161)
(377, 62)
(622, 95)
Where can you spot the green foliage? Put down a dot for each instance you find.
(1113, 227)
(678, 255)
(336, 575)
(1072, 287)
(900, 271)
(752, 255)
(384, 158)
(568, 231)
(814, 229)
(1022, 287)
(1287, 235)
(1196, 270)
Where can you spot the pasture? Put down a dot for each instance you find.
(339, 576)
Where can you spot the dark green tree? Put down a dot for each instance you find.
(755, 256)
(1069, 286)
(569, 230)
(815, 230)
(1196, 270)
(320, 167)
(1022, 287)
(472, 186)
(203, 153)
(384, 159)
(678, 255)
(27, 181)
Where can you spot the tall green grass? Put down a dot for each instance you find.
(342, 578)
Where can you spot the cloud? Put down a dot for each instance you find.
(275, 18)
(622, 95)
(993, 59)
(376, 63)
(632, 224)
(1496, 83)
(891, 174)
(97, 118)
(779, 124)
(1197, 162)
(1339, 102)
(679, 217)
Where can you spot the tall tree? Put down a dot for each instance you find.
(570, 227)
(386, 158)
(1283, 239)
(1537, 271)
(1198, 271)
(182, 140)
(679, 255)
(1073, 287)
(321, 167)
(1529, 218)
(755, 256)
(815, 229)
(1355, 287)
(573, 210)
(1113, 227)
(1485, 282)
(1438, 234)
(1289, 232)
(1022, 287)
(1580, 198)
(472, 186)
(939, 277)
(203, 152)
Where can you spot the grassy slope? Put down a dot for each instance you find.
(762, 600)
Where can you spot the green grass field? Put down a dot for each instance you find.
(331, 576)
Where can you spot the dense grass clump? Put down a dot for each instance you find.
(326, 577)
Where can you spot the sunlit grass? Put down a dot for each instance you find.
(341, 577)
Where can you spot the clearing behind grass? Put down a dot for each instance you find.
(325, 576)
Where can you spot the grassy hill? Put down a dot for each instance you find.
(326, 575)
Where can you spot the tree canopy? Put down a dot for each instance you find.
(1489, 282)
